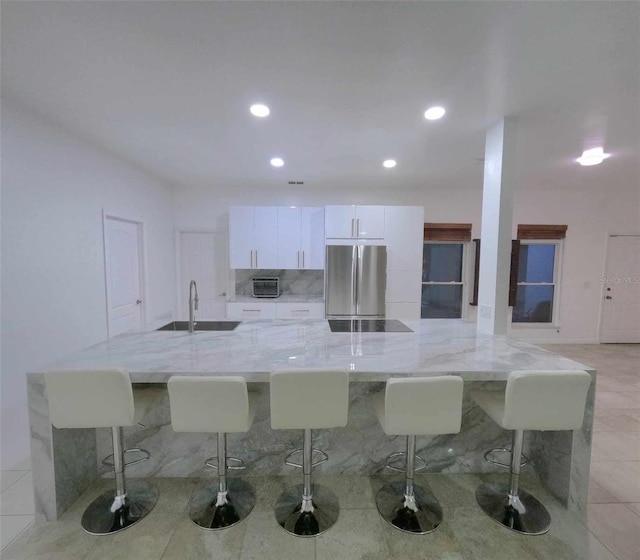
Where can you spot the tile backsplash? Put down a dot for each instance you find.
(292, 282)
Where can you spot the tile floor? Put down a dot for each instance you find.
(608, 530)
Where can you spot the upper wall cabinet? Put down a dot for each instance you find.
(253, 237)
(300, 237)
(354, 222)
(404, 234)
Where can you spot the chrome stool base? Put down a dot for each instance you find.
(419, 515)
(525, 514)
(318, 516)
(105, 515)
(210, 509)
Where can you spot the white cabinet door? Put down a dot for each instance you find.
(251, 310)
(404, 234)
(312, 238)
(241, 238)
(300, 311)
(369, 222)
(404, 286)
(289, 242)
(339, 222)
(265, 223)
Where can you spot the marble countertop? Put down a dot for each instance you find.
(285, 298)
(255, 348)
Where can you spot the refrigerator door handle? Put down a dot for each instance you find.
(354, 274)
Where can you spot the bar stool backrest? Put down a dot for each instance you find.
(545, 400)
(309, 399)
(423, 405)
(209, 404)
(90, 399)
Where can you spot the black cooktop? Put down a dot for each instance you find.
(367, 325)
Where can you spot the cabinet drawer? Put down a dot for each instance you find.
(300, 311)
(251, 310)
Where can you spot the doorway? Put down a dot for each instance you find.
(203, 257)
(123, 274)
(621, 290)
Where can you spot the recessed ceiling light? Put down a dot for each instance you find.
(277, 162)
(389, 163)
(594, 156)
(434, 113)
(259, 110)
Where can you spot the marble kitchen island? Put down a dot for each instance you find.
(66, 462)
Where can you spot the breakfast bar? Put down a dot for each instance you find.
(67, 462)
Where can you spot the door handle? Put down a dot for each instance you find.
(138, 301)
(608, 297)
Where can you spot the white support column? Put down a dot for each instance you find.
(497, 217)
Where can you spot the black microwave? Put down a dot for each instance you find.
(266, 287)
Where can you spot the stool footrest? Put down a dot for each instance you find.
(524, 460)
(323, 458)
(394, 456)
(233, 463)
(108, 460)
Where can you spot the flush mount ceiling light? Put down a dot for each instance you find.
(594, 156)
(277, 162)
(389, 163)
(259, 110)
(434, 113)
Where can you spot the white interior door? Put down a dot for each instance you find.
(203, 258)
(123, 275)
(621, 306)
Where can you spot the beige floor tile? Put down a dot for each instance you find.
(146, 540)
(614, 400)
(266, 540)
(612, 385)
(620, 478)
(615, 446)
(189, 541)
(18, 498)
(12, 526)
(617, 421)
(357, 535)
(8, 478)
(598, 495)
(634, 507)
(617, 527)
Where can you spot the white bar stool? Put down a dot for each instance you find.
(534, 400)
(308, 399)
(222, 405)
(411, 407)
(102, 399)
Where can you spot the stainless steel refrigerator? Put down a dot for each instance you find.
(355, 280)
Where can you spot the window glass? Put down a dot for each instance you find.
(534, 304)
(442, 262)
(440, 301)
(536, 263)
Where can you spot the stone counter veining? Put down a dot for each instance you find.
(66, 462)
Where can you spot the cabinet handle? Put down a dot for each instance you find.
(298, 259)
(352, 227)
(251, 254)
(358, 227)
(252, 310)
(302, 259)
(256, 258)
(299, 311)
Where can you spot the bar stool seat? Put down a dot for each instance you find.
(222, 405)
(533, 400)
(411, 407)
(308, 399)
(102, 399)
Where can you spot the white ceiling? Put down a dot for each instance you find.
(168, 85)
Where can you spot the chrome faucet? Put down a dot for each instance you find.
(193, 304)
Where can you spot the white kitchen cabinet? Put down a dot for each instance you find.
(301, 238)
(404, 237)
(251, 310)
(404, 286)
(354, 222)
(253, 237)
(402, 311)
(300, 310)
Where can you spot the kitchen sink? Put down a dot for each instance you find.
(200, 326)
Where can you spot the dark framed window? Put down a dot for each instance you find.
(442, 280)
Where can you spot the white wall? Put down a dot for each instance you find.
(590, 216)
(54, 188)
